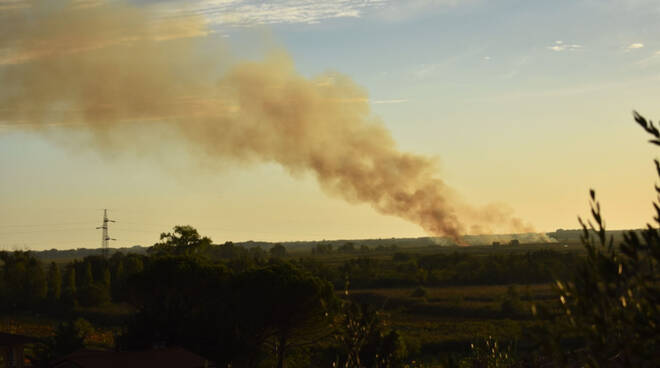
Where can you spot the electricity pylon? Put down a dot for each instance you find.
(105, 237)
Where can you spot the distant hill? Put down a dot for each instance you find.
(560, 236)
(68, 254)
(573, 236)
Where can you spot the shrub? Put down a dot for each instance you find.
(490, 354)
(611, 305)
(419, 292)
(69, 337)
(511, 304)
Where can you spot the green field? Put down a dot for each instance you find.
(448, 319)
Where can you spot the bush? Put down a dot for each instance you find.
(490, 354)
(419, 292)
(364, 339)
(511, 304)
(611, 305)
(69, 337)
(278, 251)
(94, 295)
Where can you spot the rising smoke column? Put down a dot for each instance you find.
(109, 69)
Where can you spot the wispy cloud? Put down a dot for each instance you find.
(652, 60)
(13, 4)
(22, 4)
(254, 12)
(634, 46)
(559, 46)
(392, 101)
(562, 92)
(516, 67)
(243, 13)
(450, 60)
(423, 71)
(398, 10)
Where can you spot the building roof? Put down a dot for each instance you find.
(164, 358)
(7, 339)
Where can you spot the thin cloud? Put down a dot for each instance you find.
(575, 90)
(246, 13)
(635, 46)
(240, 13)
(13, 4)
(423, 71)
(652, 60)
(435, 69)
(392, 101)
(395, 11)
(516, 67)
(559, 46)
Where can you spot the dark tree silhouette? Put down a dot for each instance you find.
(278, 251)
(69, 289)
(54, 283)
(184, 240)
(612, 303)
(24, 279)
(283, 307)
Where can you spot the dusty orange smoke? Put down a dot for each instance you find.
(110, 69)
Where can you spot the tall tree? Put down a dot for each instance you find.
(106, 277)
(87, 277)
(184, 240)
(69, 289)
(193, 317)
(283, 307)
(278, 251)
(25, 279)
(54, 283)
(133, 264)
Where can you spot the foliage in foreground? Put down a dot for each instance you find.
(490, 353)
(610, 308)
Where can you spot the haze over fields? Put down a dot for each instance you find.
(321, 120)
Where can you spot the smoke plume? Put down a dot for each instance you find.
(107, 69)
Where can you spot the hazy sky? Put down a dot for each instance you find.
(524, 103)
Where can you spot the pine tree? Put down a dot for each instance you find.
(87, 276)
(37, 287)
(106, 277)
(69, 289)
(54, 283)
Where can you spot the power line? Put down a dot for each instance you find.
(105, 237)
(44, 225)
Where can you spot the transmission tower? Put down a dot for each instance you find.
(105, 237)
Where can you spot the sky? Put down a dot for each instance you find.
(525, 104)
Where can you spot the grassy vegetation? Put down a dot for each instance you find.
(43, 327)
(449, 319)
